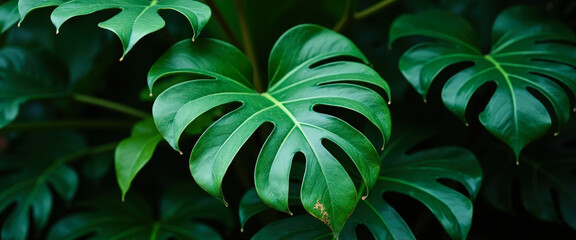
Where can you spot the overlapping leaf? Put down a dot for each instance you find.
(27, 6)
(182, 209)
(545, 176)
(24, 77)
(308, 66)
(8, 15)
(137, 19)
(531, 62)
(28, 177)
(415, 175)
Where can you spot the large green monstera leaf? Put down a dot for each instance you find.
(8, 15)
(24, 77)
(137, 19)
(531, 63)
(181, 214)
(308, 66)
(31, 180)
(413, 174)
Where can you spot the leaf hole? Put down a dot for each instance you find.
(571, 96)
(478, 102)
(344, 58)
(455, 185)
(444, 75)
(548, 105)
(355, 119)
(416, 215)
(362, 232)
(345, 161)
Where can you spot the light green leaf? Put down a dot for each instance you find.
(26, 6)
(8, 15)
(134, 152)
(29, 177)
(25, 77)
(181, 211)
(529, 57)
(137, 19)
(309, 66)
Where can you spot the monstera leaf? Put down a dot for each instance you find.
(30, 179)
(531, 63)
(308, 66)
(8, 15)
(416, 175)
(545, 176)
(24, 77)
(137, 19)
(180, 212)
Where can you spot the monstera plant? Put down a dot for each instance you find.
(192, 136)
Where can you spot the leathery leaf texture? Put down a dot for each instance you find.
(532, 63)
(309, 66)
(137, 19)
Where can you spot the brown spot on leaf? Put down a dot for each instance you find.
(324, 217)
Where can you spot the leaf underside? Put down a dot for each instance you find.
(532, 63)
(137, 18)
(308, 66)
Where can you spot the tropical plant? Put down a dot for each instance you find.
(328, 140)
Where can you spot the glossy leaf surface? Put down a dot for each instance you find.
(137, 18)
(308, 66)
(30, 179)
(26, 6)
(180, 212)
(134, 152)
(8, 15)
(415, 175)
(531, 63)
(24, 77)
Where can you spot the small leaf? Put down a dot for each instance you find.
(182, 209)
(309, 66)
(24, 77)
(134, 152)
(531, 55)
(297, 227)
(250, 205)
(8, 15)
(29, 176)
(137, 19)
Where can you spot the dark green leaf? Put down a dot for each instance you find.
(27, 180)
(309, 66)
(297, 227)
(134, 152)
(137, 19)
(529, 54)
(181, 209)
(24, 77)
(546, 178)
(8, 15)
(250, 205)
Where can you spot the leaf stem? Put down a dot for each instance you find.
(249, 46)
(223, 23)
(84, 124)
(350, 16)
(110, 105)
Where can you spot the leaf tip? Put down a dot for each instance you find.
(57, 30)
(425, 100)
(517, 162)
(556, 134)
(151, 95)
(364, 198)
(181, 153)
(467, 124)
(18, 24)
(241, 230)
(121, 58)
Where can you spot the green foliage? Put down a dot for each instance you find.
(530, 53)
(413, 174)
(303, 73)
(25, 77)
(282, 108)
(137, 19)
(30, 179)
(181, 210)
